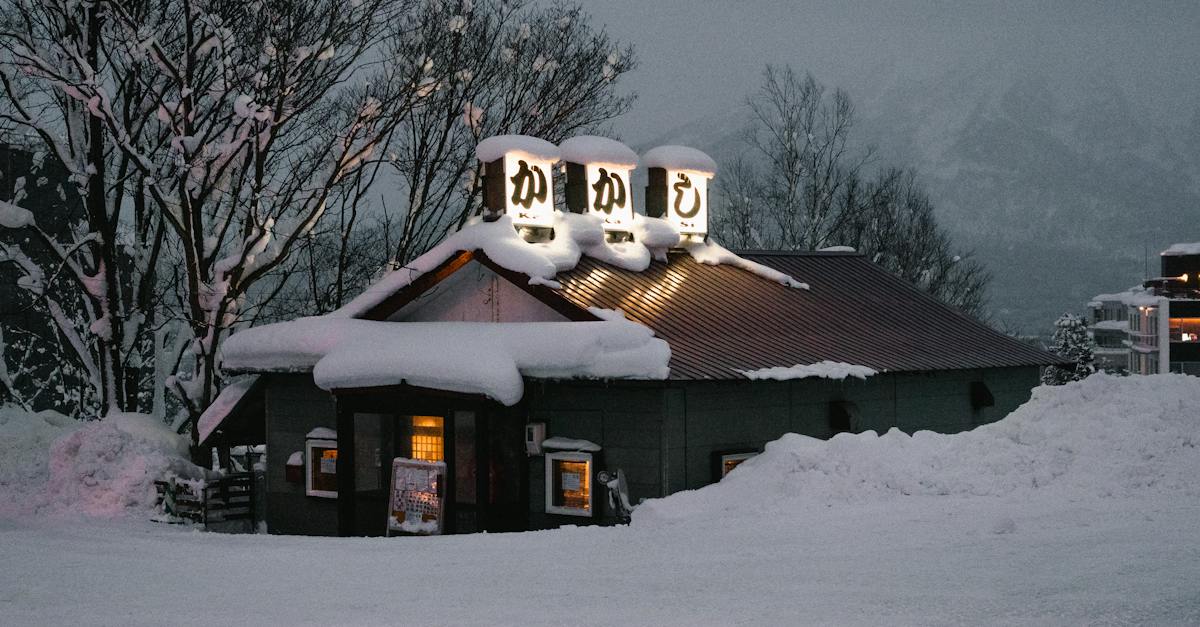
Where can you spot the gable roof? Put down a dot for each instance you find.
(720, 320)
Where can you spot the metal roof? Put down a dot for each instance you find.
(722, 319)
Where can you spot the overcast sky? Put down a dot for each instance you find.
(698, 58)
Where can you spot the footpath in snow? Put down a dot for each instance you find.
(1079, 508)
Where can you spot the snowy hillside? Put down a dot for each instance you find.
(1063, 180)
(1079, 508)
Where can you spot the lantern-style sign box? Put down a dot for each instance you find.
(599, 180)
(678, 187)
(518, 179)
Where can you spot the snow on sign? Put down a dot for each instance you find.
(519, 178)
(599, 173)
(678, 188)
(417, 502)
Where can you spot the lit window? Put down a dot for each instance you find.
(321, 475)
(569, 483)
(729, 461)
(428, 444)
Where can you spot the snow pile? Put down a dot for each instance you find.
(714, 254)
(469, 357)
(25, 438)
(599, 150)
(822, 369)
(1102, 437)
(1134, 296)
(497, 146)
(108, 467)
(1189, 248)
(51, 464)
(680, 158)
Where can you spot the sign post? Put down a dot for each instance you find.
(416, 498)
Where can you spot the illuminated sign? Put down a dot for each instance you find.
(518, 179)
(599, 173)
(529, 190)
(608, 196)
(687, 201)
(678, 187)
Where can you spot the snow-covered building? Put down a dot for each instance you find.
(519, 377)
(1154, 327)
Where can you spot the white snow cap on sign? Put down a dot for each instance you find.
(569, 444)
(680, 158)
(823, 369)
(487, 358)
(1192, 248)
(497, 146)
(596, 149)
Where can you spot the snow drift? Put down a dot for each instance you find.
(50, 464)
(1102, 437)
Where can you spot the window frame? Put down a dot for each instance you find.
(570, 456)
(309, 459)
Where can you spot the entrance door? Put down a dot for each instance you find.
(485, 464)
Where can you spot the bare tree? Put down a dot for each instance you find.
(804, 186)
(496, 67)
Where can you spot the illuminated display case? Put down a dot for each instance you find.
(726, 461)
(569, 483)
(320, 470)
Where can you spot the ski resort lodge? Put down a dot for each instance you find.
(543, 367)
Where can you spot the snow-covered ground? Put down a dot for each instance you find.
(1080, 508)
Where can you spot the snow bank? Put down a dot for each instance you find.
(495, 147)
(822, 369)
(1190, 248)
(596, 149)
(25, 439)
(1134, 296)
(50, 464)
(469, 357)
(108, 467)
(680, 158)
(1102, 437)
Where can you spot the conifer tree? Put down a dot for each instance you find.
(1071, 341)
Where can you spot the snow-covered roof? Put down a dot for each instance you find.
(824, 369)
(596, 149)
(569, 444)
(497, 146)
(575, 235)
(1134, 296)
(489, 359)
(227, 401)
(1112, 325)
(680, 158)
(1187, 248)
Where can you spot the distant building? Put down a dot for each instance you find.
(1154, 327)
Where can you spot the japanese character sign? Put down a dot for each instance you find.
(687, 201)
(529, 190)
(608, 196)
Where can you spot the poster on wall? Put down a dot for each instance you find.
(417, 500)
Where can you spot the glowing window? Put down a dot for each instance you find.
(428, 443)
(321, 477)
(569, 484)
(730, 461)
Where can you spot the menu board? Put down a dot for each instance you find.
(417, 500)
